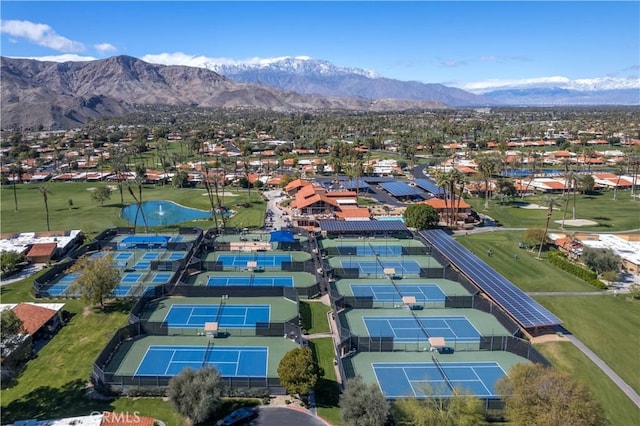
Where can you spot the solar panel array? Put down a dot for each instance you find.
(355, 184)
(361, 225)
(526, 311)
(400, 189)
(429, 186)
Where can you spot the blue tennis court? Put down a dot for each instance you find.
(267, 260)
(389, 293)
(123, 255)
(370, 250)
(408, 330)
(230, 361)
(130, 277)
(150, 255)
(161, 278)
(68, 278)
(57, 290)
(176, 238)
(375, 267)
(424, 379)
(121, 290)
(230, 316)
(250, 281)
(176, 256)
(142, 265)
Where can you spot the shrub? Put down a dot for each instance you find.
(559, 260)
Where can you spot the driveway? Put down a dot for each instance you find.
(274, 198)
(281, 416)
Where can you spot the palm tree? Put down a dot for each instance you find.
(442, 180)
(551, 200)
(487, 166)
(619, 172)
(16, 172)
(46, 191)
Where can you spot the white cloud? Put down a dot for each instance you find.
(40, 34)
(105, 47)
(180, 58)
(599, 83)
(67, 57)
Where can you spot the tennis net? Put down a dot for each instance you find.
(437, 363)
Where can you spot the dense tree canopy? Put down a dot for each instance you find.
(97, 277)
(362, 404)
(196, 393)
(298, 371)
(533, 236)
(458, 410)
(10, 261)
(10, 324)
(101, 194)
(539, 395)
(421, 216)
(600, 259)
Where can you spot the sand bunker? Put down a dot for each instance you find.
(577, 222)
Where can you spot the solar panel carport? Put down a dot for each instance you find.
(522, 308)
(348, 226)
(429, 186)
(400, 189)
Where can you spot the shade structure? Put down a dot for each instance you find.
(282, 236)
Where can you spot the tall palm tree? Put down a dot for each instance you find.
(551, 201)
(619, 172)
(442, 180)
(16, 172)
(46, 191)
(487, 166)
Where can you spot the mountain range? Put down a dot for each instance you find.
(58, 95)
(54, 95)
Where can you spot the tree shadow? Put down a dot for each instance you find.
(49, 403)
(327, 393)
(305, 315)
(117, 305)
(602, 218)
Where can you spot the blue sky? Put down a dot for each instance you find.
(473, 45)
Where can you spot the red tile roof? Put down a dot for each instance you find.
(358, 212)
(42, 249)
(438, 204)
(296, 184)
(33, 317)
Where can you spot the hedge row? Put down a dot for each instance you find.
(559, 260)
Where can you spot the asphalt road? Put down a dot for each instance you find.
(280, 416)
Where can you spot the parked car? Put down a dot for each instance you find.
(238, 417)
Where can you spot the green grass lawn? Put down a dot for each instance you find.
(314, 317)
(327, 390)
(608, 325)
(529, 273)
(93, 218)
(53, 384)
(619, 409)
(619, 215)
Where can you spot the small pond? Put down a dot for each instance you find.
(163, 213)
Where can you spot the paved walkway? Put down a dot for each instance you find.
(628, 390)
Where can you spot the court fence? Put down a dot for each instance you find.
(107, 363)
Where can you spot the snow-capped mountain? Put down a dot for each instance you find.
(309, 76)
(300, 65)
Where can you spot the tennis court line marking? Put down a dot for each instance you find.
(141, 360)
(409, 382)
(173, 354)
(473, 370)
(433, 367)
(235, 374)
